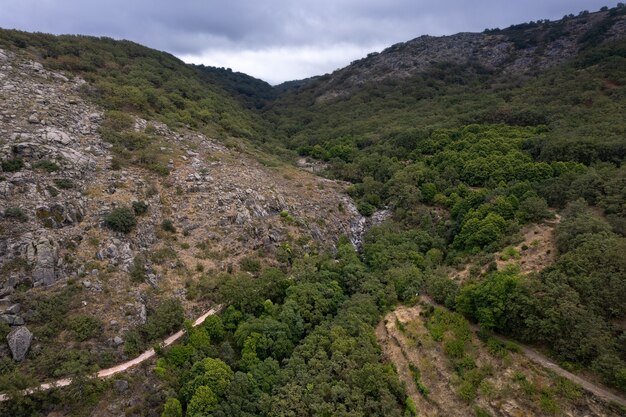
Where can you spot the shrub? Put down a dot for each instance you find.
(138, 270)
(15, 213)
(12, 165)
(140, 207)
(117, 120)
(366, 209)
(168, 226)
(64, 183)
(116, 164)
(46, 165)
(166, 318)
(84, 327)
(214, 327)
(250, 264)
(53, 191)
(121, 219)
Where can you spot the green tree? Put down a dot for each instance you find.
(202, 403)
(172, 408)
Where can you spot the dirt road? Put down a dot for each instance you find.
(105, 373)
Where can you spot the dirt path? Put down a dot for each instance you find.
(544, 361)
(105, 373)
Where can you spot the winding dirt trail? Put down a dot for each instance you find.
(544, 361)
(106, 373)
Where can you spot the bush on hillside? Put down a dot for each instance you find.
(121, 219)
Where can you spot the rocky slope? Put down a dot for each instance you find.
(526, 49)
(59, 181)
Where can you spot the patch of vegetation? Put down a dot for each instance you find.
(250, 264)
(121, 219)
(12, 165)
(53, 191)
(46, 165)
(421, 388)
(138, 269)
(64, 183)
(140, 207)
(163, 254)
(168, 226)
(15, 213)
(164, 319)
(84, 327)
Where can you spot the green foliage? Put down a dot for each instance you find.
(214, 327)
(172, 408)
(121, 219)
(12, 165)
(15, 213)
(46, 165)
(64, 183)
(250, 264)
(579, 223)
(202, 403)
(140, 207)
(85, 327)
(138, 269)
(168, 226)
(493, 303)
(164, 319)
(211, 373)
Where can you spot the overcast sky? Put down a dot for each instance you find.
(276, 40)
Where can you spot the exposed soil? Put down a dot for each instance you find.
(536, 251)
(407, 342)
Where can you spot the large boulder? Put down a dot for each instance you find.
(19, 341)
(56, 136)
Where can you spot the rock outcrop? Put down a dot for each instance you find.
(19, 342)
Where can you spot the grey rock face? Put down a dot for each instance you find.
(12, 319)
(14, 309)
(57, 136)
(120, 253)
(45, 255)
(19, 342)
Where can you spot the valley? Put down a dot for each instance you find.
(437, 229)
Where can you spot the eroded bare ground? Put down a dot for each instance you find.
(515, 386)
(534, 252)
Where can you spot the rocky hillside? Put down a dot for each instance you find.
(210, 208)
(525, 49)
